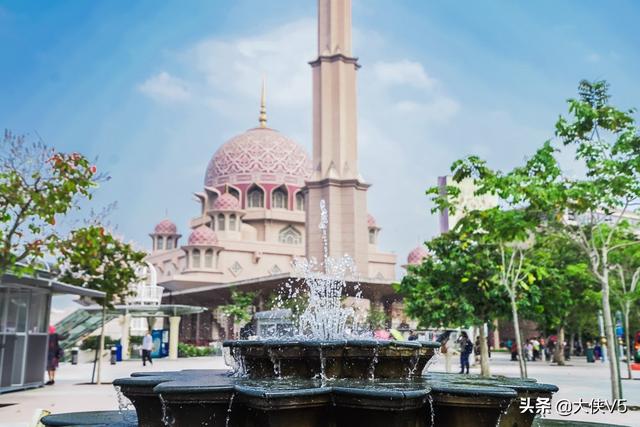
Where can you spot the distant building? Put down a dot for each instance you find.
(467, 201)
(259, 208)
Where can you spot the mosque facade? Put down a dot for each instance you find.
(259, 205)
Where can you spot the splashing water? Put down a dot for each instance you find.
(324, 317)
(229, 410)
(372, 366)
(433, 413)
(167, 419)
(125, 407)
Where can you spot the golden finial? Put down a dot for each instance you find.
(263, 105)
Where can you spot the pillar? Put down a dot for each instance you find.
(174, 332)
(124, 339)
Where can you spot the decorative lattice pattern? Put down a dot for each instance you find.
(259, 155)
(226, 202)
(203, 236)
(417, 255)
(165, 227)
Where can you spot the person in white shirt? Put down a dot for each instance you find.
(147, 347)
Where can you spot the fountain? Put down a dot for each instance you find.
(328, 374)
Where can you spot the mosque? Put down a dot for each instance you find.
(259, 206)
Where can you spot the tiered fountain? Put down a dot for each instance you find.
(327, 375)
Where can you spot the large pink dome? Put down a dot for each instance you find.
(417, 255)
(165, 226)
(203, 236)
(259, 155)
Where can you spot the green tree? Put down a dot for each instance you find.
(625, 291)
(455, 286)
(93, 258)
(565, 290)
(37, 185)
(238, 310)
(507, 228)
(377, 318)
(604, 142)
(591, 208)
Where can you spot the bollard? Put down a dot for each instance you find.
(74, 355)
(114, 353)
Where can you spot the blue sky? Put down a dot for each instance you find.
(154, 88)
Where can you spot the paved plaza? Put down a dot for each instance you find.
(71, 393)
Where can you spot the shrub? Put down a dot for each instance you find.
(188, 350)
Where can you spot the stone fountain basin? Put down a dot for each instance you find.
(331, 359)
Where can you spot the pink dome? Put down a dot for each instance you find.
(203, 236)
(260, 155)
(226, 202)
(371, 221)
(165, 227)
(417, 255)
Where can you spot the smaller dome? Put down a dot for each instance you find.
(371, 221)
(165, 226)
(203, 236)
(417, 255)
(226, 202)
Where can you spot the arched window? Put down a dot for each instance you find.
(235, 193)
(196, 258)
(232, 222)
(208, 258)
(159, 242)
(372, 236)
(169, 242)
(290, 236)
(279, 199)
(299, 201)
(221, 222)
(255, 198)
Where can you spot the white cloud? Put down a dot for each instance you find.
(236, 67)
(401, 110)
(165, 88)
(440, 109)
(404, 72)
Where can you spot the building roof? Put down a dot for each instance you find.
(165, 227)
(47, 280)
(371, 221)
(226, 202)
(259, 155)
(417, 255)
(203, 236)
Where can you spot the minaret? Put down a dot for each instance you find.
(335, 175)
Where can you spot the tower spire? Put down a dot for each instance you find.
(263, 105)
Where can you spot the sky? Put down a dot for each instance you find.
(152, 89)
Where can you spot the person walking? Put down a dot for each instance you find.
(54, 354)
(466, 348)
(514, 350)
(147, 346)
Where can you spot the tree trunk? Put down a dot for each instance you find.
(496, 335)
(484, 353)
(516, 328)
(616, 388)
(580, 343)
(101, 347)
(558, 354)
(572, 338)
(628, 340)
